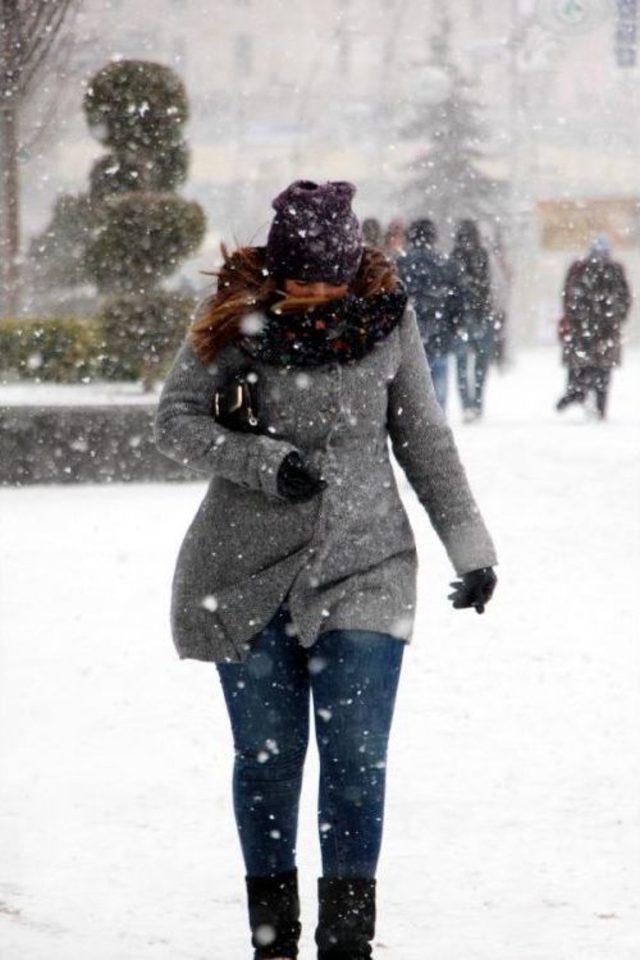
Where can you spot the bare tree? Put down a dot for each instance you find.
(31, 35)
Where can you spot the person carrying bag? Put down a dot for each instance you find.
(297, 576)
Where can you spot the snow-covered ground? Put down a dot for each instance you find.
(512, 828)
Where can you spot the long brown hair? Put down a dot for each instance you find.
(244, 287)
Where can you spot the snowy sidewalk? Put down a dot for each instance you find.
(512, 828)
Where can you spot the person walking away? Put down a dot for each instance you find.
(432, 282)
(474, 344)
(297, 575)
(501, 281)
(596, 301)
(395, 241)
(372, 233)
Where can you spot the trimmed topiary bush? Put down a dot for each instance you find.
(140, 334)
(142, 230)
(57, 255)
(142, 237)
(134, 105)
(113, 174)
(131, 230)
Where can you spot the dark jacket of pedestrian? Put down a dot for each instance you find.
(596, 301)
(472, 261)
(433, 284)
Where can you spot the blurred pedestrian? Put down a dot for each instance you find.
(474, 343)
(395, 241)
(433, 284)
(372, 233)
(501, 280)
(596, 301)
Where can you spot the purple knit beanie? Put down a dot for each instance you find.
(315, 235)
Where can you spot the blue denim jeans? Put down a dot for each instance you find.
(353, 677)
(473, 359)
(438, 365)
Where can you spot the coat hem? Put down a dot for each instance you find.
(205, 655)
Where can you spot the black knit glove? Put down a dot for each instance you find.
(297, 481)
(474, 590)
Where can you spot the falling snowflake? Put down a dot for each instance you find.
(264, 934)
(252, 324)
(317, 664)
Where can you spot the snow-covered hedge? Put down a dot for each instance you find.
(131, 338)
(59, 349)
(82, 444)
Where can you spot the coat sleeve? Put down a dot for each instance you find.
(572, 290)
(423, 445)
(624, 293)
(185, 431)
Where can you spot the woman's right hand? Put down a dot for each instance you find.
(297, 481)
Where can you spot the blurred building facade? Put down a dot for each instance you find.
(282, 90)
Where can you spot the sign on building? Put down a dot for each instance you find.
(573, 224)
(626, 39)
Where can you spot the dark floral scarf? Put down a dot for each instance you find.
(342, 331)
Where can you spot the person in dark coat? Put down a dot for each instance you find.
(433, 284)
(395, 241)
(474, 344)
(596, 301)
(297, 575)
(372, 234)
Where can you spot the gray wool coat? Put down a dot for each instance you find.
(345, 559)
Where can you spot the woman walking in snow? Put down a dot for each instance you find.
(297, 576)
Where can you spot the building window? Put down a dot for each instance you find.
(243, 54)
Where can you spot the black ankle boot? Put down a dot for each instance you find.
(274, 915)
(347, 916)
